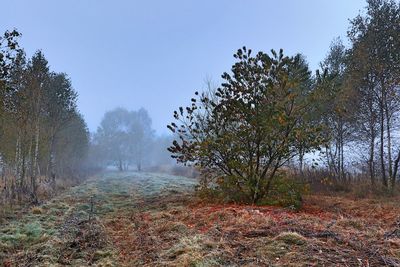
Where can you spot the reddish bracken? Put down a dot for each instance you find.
(325, 230)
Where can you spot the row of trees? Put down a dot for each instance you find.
(271, 112)
(42, 134)
(126, 138)
(363, 115)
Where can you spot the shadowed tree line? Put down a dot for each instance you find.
(43, 137)
(271, 115)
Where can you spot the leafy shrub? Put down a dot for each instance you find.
(285, 192)
(223, 189)
(243, 130)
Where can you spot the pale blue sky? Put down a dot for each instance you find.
(155, 54)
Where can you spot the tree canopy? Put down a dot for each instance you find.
(252, 124)
(124, 136)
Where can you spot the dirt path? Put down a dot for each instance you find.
(71, 228)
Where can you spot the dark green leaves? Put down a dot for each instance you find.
(252, 124)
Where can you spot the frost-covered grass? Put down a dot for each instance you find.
(150, 219)
(48, 230)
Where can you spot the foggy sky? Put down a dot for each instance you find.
(155, 54)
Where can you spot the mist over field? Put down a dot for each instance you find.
(212, 133)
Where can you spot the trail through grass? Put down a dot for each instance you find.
(69, 229)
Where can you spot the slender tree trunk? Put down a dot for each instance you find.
(23, 172)
(371, 158)
(301, 161)
(342, 161)
(372, 122)
(17, 152)
(35, 163)
(30, 166)
(269, 181)
(270, 178)
(338, 161)
(340, 154)
(120, 167)
(395, 169)
(50, 162)
(382, 144)
(389, 145)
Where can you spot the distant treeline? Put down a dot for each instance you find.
(43, 137)
(125, 140)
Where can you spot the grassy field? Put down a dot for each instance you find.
(147, 219)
